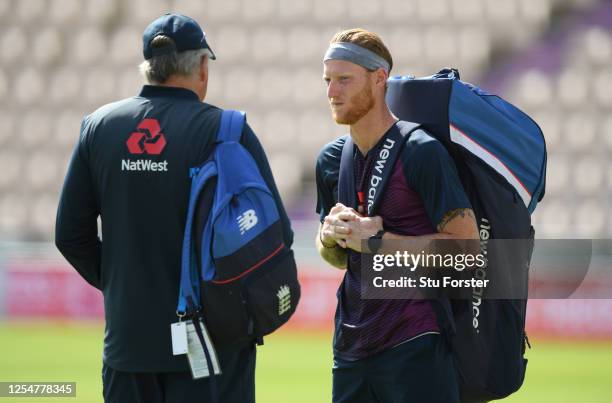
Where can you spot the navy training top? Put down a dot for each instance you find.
(424, 185)
(131, 166)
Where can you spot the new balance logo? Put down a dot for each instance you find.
(246, 221)
(284, 299)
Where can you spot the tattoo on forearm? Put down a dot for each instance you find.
(449, 216)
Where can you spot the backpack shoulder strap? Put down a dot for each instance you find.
(406, 128)
(230, 127)
(385, 161)
(346, 177)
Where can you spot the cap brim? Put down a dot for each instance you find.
(211, 54)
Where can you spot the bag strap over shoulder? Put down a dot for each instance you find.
(230, 128)
(383, 167)
(346, 177)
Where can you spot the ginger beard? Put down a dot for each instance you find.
(357, 106)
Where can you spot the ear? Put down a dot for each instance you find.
(203, 74)
(381, 77)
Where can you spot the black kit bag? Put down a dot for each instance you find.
(500, 154)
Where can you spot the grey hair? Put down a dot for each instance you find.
(158, 69)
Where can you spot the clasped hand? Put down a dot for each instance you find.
(347, 228)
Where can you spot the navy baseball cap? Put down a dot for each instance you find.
(183, 30)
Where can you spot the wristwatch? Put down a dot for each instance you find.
(375, 241)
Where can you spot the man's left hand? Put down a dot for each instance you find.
(361, 228)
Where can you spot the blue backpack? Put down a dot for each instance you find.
(500, 154)
(237, 273)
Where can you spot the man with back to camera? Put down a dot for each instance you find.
(384, 350)
(131, 167)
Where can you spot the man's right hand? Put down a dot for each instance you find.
(335, 228)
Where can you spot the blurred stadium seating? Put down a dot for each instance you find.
(61, 59)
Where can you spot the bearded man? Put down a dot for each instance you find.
(384, 350)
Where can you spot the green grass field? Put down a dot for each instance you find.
(292, 367)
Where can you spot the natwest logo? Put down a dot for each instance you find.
(147, 139)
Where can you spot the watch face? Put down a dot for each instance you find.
(374, 242)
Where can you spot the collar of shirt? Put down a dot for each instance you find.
(149, 91)
(372, 151)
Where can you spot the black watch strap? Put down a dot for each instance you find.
(375, 241)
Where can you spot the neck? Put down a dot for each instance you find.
(184, 82)
(371, 127)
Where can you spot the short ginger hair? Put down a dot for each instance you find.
(365, 39)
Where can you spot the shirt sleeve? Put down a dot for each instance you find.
(250, 141)
(431, 172)
(327, 172)
(76, 228)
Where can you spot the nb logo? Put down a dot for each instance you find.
(246, 221)
(284, 299)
